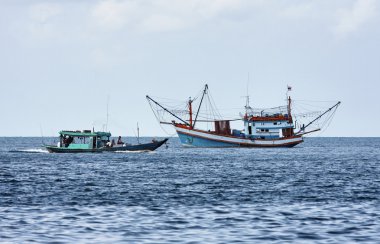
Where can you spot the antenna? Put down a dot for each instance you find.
(138, 133)
(248, 85)
(247, 107)
(108, 100)
(42, 135)
(289, 89)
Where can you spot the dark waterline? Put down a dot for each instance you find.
(326, 190)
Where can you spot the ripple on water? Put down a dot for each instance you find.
(325, 190)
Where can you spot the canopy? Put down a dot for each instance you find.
(82, 134)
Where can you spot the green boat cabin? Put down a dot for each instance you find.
(85, 139)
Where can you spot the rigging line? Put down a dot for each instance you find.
(154, 112)
(314, 105)
(328, 110)
(147, 97)
(324, 122)
(197, 95)
(330, 115)
(168, 99)
(296, 100)
(207, 113)
(211, 110)
(329, 119)
(213, 105)
(169, 134)
(328, 122)
(159, 120)
(309, 106)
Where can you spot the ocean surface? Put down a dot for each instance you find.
(326, 190)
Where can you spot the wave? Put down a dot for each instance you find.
(138, 151)
(29, 150)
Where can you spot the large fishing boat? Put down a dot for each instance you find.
(274, 127)
(88, 141)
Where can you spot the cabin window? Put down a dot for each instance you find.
(266, 130)
(262, 129)
(275, 123)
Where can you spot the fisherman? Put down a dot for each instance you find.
(119, 141)
(108, 144)
(70, 140)
(67, 140)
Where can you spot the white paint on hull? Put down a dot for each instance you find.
(240, 141)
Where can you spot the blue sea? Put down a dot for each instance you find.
(326, 190)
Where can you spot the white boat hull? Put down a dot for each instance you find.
(200, 138)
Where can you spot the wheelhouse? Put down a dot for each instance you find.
(85, 139)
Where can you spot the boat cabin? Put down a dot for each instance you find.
(85, 139)
(267, 127)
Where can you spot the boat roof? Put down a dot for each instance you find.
(84, 133)
(269, 118)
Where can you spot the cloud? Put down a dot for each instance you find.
(298, 11)
(160, 15)
(350, 20)
(212, 8)
(113, 14)
(41, 19)
(42, 12)
(162, 23)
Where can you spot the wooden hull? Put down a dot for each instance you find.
(139, 147)
(200, 138)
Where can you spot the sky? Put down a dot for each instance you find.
(61, 61)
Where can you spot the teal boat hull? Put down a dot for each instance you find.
(139, 147)
(54, 149)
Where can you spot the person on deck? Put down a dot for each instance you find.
(119, 141)
(108, 144)
(68, 140)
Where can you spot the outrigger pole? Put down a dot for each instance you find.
(328, 110)
(149, 98)
(203, 95)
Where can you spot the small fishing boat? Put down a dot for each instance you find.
(273, 127)
(88, 141)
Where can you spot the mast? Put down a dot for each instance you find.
(247, 107)
(289, 131)
(290, 109)
(172, 114)
(203, 95)
(191, 112)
